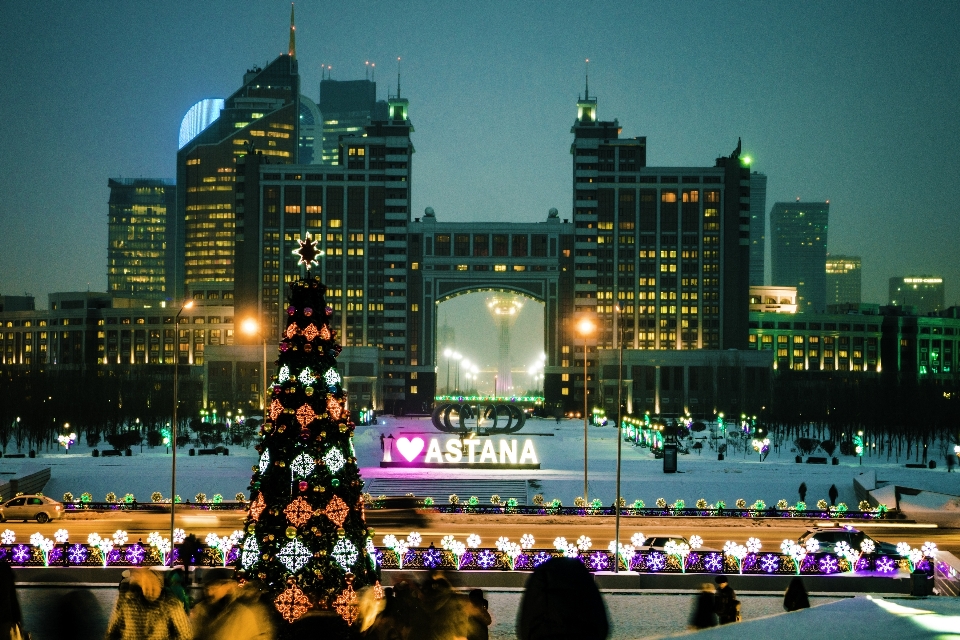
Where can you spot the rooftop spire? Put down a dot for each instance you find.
(293, 35)
(398, 76)
(586, 92)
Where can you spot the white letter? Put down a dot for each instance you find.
(488, 452)
(528, 452)
(508, 452)
(454, 452)
(471, 447)
(433, 451)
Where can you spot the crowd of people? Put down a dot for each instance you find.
(560, 601)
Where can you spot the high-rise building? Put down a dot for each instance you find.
(923, 292)
(347, 108)
(843, 280)
(139, 247)
(263, 116)
(758, 227)
(798, 251)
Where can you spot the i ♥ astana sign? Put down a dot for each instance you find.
(463, 453)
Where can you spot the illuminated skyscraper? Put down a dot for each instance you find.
(843, 280)
(923, 292)
(798, 251)
(347, 108)
(139, 249)
(758, 227)
(504, 309)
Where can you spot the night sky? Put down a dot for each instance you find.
(856, 103)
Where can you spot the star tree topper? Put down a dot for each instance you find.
(307, 252)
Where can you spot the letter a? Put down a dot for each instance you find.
(433, 451)
(528, 454)
(488, 452)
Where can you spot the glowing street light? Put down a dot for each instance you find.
(173, 461)
(251, 327)
(585, 327)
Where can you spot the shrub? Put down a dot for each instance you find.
(579, 502)
(538, 500)
(473, 501)
(453, 499)
(555, 503)
(156, 496)
(821, 504)
(428, 501)
(200, 498)
(495, 500)
(596, 503)
(86, 497)
(759, 505)
(638, 504)
(841, 508)
(661, 503)
(128, 498)
(679, 504)
(782, 505)
(217, 498)
(741, 503)
(721, 504)
(111, 497)
(512, 502)
(242, 497)
(801, 506)
(701, 504)
(68, 497)
(865, 506)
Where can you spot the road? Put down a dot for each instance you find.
(544, 529)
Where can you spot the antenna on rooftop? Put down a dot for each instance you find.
(398, 76)
(373, 71)
(586, 93)
(366, 70)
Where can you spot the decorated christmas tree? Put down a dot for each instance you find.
(305, 536)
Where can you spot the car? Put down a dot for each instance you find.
(31, 507)
(658, 543)
(829, 538)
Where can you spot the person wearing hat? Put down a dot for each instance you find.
(230, 611)
(144, 611)
(727, 605)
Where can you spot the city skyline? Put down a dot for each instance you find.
(825, 111)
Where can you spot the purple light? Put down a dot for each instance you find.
(656, 561)
(863, 564)
(828, 565)
(486, 559)
(713, 562)
(598, 561)
(21, 553)
(769, 563)
(432, 558)
(233, 555)
(750, 562)
(885, 564)
(77, 554)
(135, 554)
(55, 555)
(540, 557)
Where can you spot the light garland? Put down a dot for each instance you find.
(294, 555)
(264, 461)
(332, 377)
(250, 552)
(284, 374)
(306, 377)
(345, 553)
(303, 465)
(334, 460)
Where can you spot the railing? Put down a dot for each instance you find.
(660, 512)
(232, 505)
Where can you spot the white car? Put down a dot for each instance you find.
(31, 507)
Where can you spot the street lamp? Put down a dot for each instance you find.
(447, 353)
(585, 327)
(173, 432)
(616, 543)
(252, 327)
(456, 378)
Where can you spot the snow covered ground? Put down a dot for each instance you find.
(558, 447)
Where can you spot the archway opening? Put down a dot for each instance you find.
(490, 343)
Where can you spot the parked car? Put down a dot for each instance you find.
(828, 539)
(31, 507)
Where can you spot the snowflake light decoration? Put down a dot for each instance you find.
(486, 559)
(527, 541)
(679, 550)
(120, 537)
(584, 543)
(179, 535)
(622, 551)
(372, 553)
(713, 562)
(294, 555)
(867, 546)
(45, 545)
(276, 408)
(638, 539)
(929, 549)
(511, 551)
(571, 551)
(736, 551)
(264, 460)
(298, 512)
(813, 545)
(769, 563)
(250, 553)
(540, 557)
(473, 541)
(305, 415)
(753, 545)
(284, 374)
(292, 603)
(334, 460)
(696, 542)
(458, 549)
(77, 554)
(306, 377)
(501, 542)
(432, 557)
(61, 536)
(414, 539)
(331, 377)
(828, 565)
(337, 511)
(560, 543)
(347, 605)
(886, 564)
(598, 561)
(135, 554)
(310, 332)
(656, 561)
(21, 553)
(345, 553)
(303, 465)
(447, 541)
(8, 536)
(903, 548)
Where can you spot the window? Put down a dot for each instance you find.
(481, 245)
(441, 244)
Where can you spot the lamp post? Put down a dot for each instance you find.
(447, 353)
(252, 327)
(585, 327)
(616, 536)
(173, 430)
(456, 377)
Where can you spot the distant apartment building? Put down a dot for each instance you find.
(843, 280)
(798, 233)
(758, 227)
(923, 292)
(139, 247)
(347, 108)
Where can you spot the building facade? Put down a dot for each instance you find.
(798, 251)
(347, 107)
(758, 228)
(843, 280)
(925, 293)
(139, 247)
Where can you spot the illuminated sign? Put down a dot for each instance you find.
(923, 280)
(476, 452)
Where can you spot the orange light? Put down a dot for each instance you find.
(188, 304)
(585, 327)
(250, 326)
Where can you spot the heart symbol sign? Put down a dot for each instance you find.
(410, 449)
